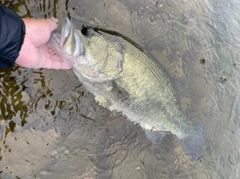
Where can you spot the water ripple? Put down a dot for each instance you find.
(148, 22)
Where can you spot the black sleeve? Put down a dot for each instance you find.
(12, 32)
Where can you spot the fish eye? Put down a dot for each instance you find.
(86, 31)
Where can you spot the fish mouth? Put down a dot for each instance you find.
(55, 38)
(54, 44)
(68, 32)
(67, 43)
(79, 48)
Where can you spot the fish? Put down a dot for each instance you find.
(124, 77)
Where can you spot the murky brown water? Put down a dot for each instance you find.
(50, 127)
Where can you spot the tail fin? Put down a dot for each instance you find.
(192, 144)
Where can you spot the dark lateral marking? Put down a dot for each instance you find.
(118, 92)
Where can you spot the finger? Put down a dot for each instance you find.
(51, 51)
(46, 60)
(56, 57)
(52, 64)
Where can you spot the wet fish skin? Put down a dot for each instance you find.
(123, 78)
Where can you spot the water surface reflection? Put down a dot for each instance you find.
(52, 128)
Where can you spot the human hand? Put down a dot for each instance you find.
(35, 52)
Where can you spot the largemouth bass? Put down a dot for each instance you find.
(124, 78)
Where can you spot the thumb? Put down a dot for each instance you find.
(52, 23)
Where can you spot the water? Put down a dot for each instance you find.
(50, 127)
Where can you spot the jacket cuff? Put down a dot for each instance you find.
(12, 33)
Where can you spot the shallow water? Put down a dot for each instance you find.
(50, 127)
